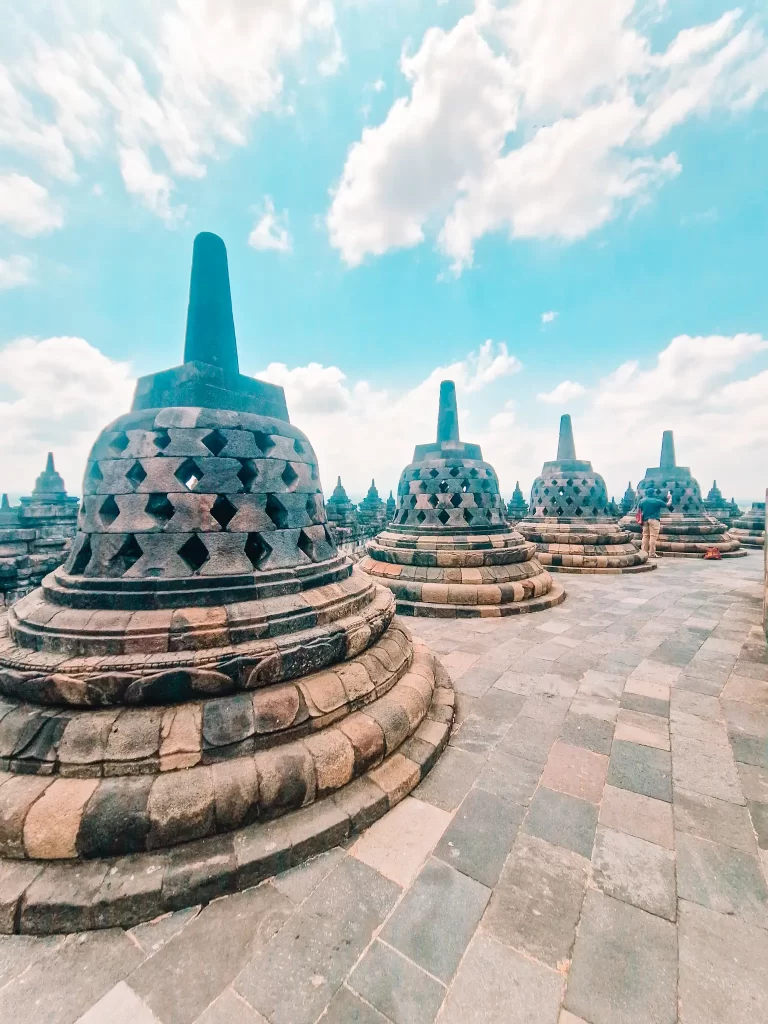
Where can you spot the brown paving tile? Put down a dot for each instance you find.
(576, 771)
(638, 815)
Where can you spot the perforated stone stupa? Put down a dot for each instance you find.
(449, 550)
(342, 516)
(391, 507)
(629, 501)
(717, 505)
(372, 512)
(207, 691)
(749, 528)
(688, 531)
(572, 522)
(517, 506)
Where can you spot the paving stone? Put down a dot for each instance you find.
(594, 707)
(588, 732)
(479, 735)
(546, 708)
(297, 883)
(563, 820)
(754, 782)
(481, 835)
(229, 1008)
(499, 706)
(696, 704)
(397, 987)
(120, 1004)
(511, 778)
(602, 684)
(293, 979)
(436, 918)
(536, 904)
(638, 815)
(646, 705)
(722, 879)
(717, 820)
(463, 707)
(398, 844)
(171, 982)
(635, 871)
(575, 771)
(521, 683)
(624, 967)
(68, 983)
(451, 779)
(753, 691)
(530, 739)
(347, 1007)
(758, 812)
(18, 953)
(495, 982)
(640, 769)
(153, 935)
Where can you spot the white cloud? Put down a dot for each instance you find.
(566, 391)
(57, 394)
(26, 207)
(379, 85)
(270, 233)
(535, 118)
(160, 86)
(548, 317)
(15, 272)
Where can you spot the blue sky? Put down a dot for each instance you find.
(561, 204)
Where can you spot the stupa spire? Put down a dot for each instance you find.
(448, 416)
(668, 460)
(566, 449)
(49, 466)
(210, 336)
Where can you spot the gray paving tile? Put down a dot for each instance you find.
(153, 935)
(224, 936)
(496, 985)
(476, 680)
(722, 879)
(499, 706)
(591, 733)
(758, 812)
(635, 871)
(511, 778)
(293, 979)
(563, 820)
(300, 881)
(451, 778)
(536, 904)
(645, 705)
(481, 835)
(120, 1005)
(230, 1008)
(18, 953)
(436, 918)
(640, 769)
(717, 820)
(638, 815)
(723, 968)
(530, 739)
(397, 987)
(624, 968)
(347, 1007)
(478, 735)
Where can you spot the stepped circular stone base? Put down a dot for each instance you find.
(47, 897)
(748, 539)
(555, 596)
(690, 536)
(577, 546)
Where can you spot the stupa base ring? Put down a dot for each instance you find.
(597, 570)
(56, 897)
(554, 596)
(667, 553)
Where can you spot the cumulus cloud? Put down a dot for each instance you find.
(26, 207)
(548, 317)
(15, 272)
(57, 393)
(160, 86)
(270, 233)
(537, 118)
(566, 391)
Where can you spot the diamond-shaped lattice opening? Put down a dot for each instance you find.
(432, 499)
(299, 447)
(82, 558)
(585, 482)
(569, 501)
(454, 471)
(422, 487)
(412, 502)
(95, 476)
(579, 511)
(289, 476)
(465, 486)
(189, 474)
(215, 442)
(247, 474)
(276, 512)
(467, 515)
(561, 491)
(312, 509)
(577, 489)
(560, 511)
(162, 439)
(263, 441)
(443, 488)
(434, 472)
(546, 490)
(194, 553)
(456, 500)
(136, 475)
(443, 516)
(474, 472)
(421, 516)
(305, 544)
(128, 555)
(120, 443)
(109, 511)
(223, 511)
(255, 549)
(160, 507)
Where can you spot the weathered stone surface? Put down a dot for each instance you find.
(563, 820)
(635, 871)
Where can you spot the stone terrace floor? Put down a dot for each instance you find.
(592, 846)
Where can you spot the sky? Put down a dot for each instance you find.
(559, 204)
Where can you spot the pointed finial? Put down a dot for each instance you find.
(49, 466)
(566, 449)
(448, 416)
(338, 481)
(5, 505)
(210, 323)
(667, 450)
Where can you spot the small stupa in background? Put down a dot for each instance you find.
(749, 528)
(517, 506)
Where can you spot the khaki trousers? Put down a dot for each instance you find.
(651, 529)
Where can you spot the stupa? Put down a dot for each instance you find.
(629, 501)
(206, 692)
(391, 507)
(342, 516)
(449, 551)
(749, 528)
(571, 520)
(717, 506)
(688, 531)
(517, 506)
(372, 512)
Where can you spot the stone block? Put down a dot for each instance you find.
(635, 871)
(480, 836)
(563, 820)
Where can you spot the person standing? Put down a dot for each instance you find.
(650, 511)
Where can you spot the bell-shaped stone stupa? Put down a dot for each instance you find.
(517, 506)
(449, 550)
(629, 501)
(749, 528)
(204, 662)
(342, 515)
(717, 505)
(391, 507)
(688, 531)
(571, 520)
(372, 512)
